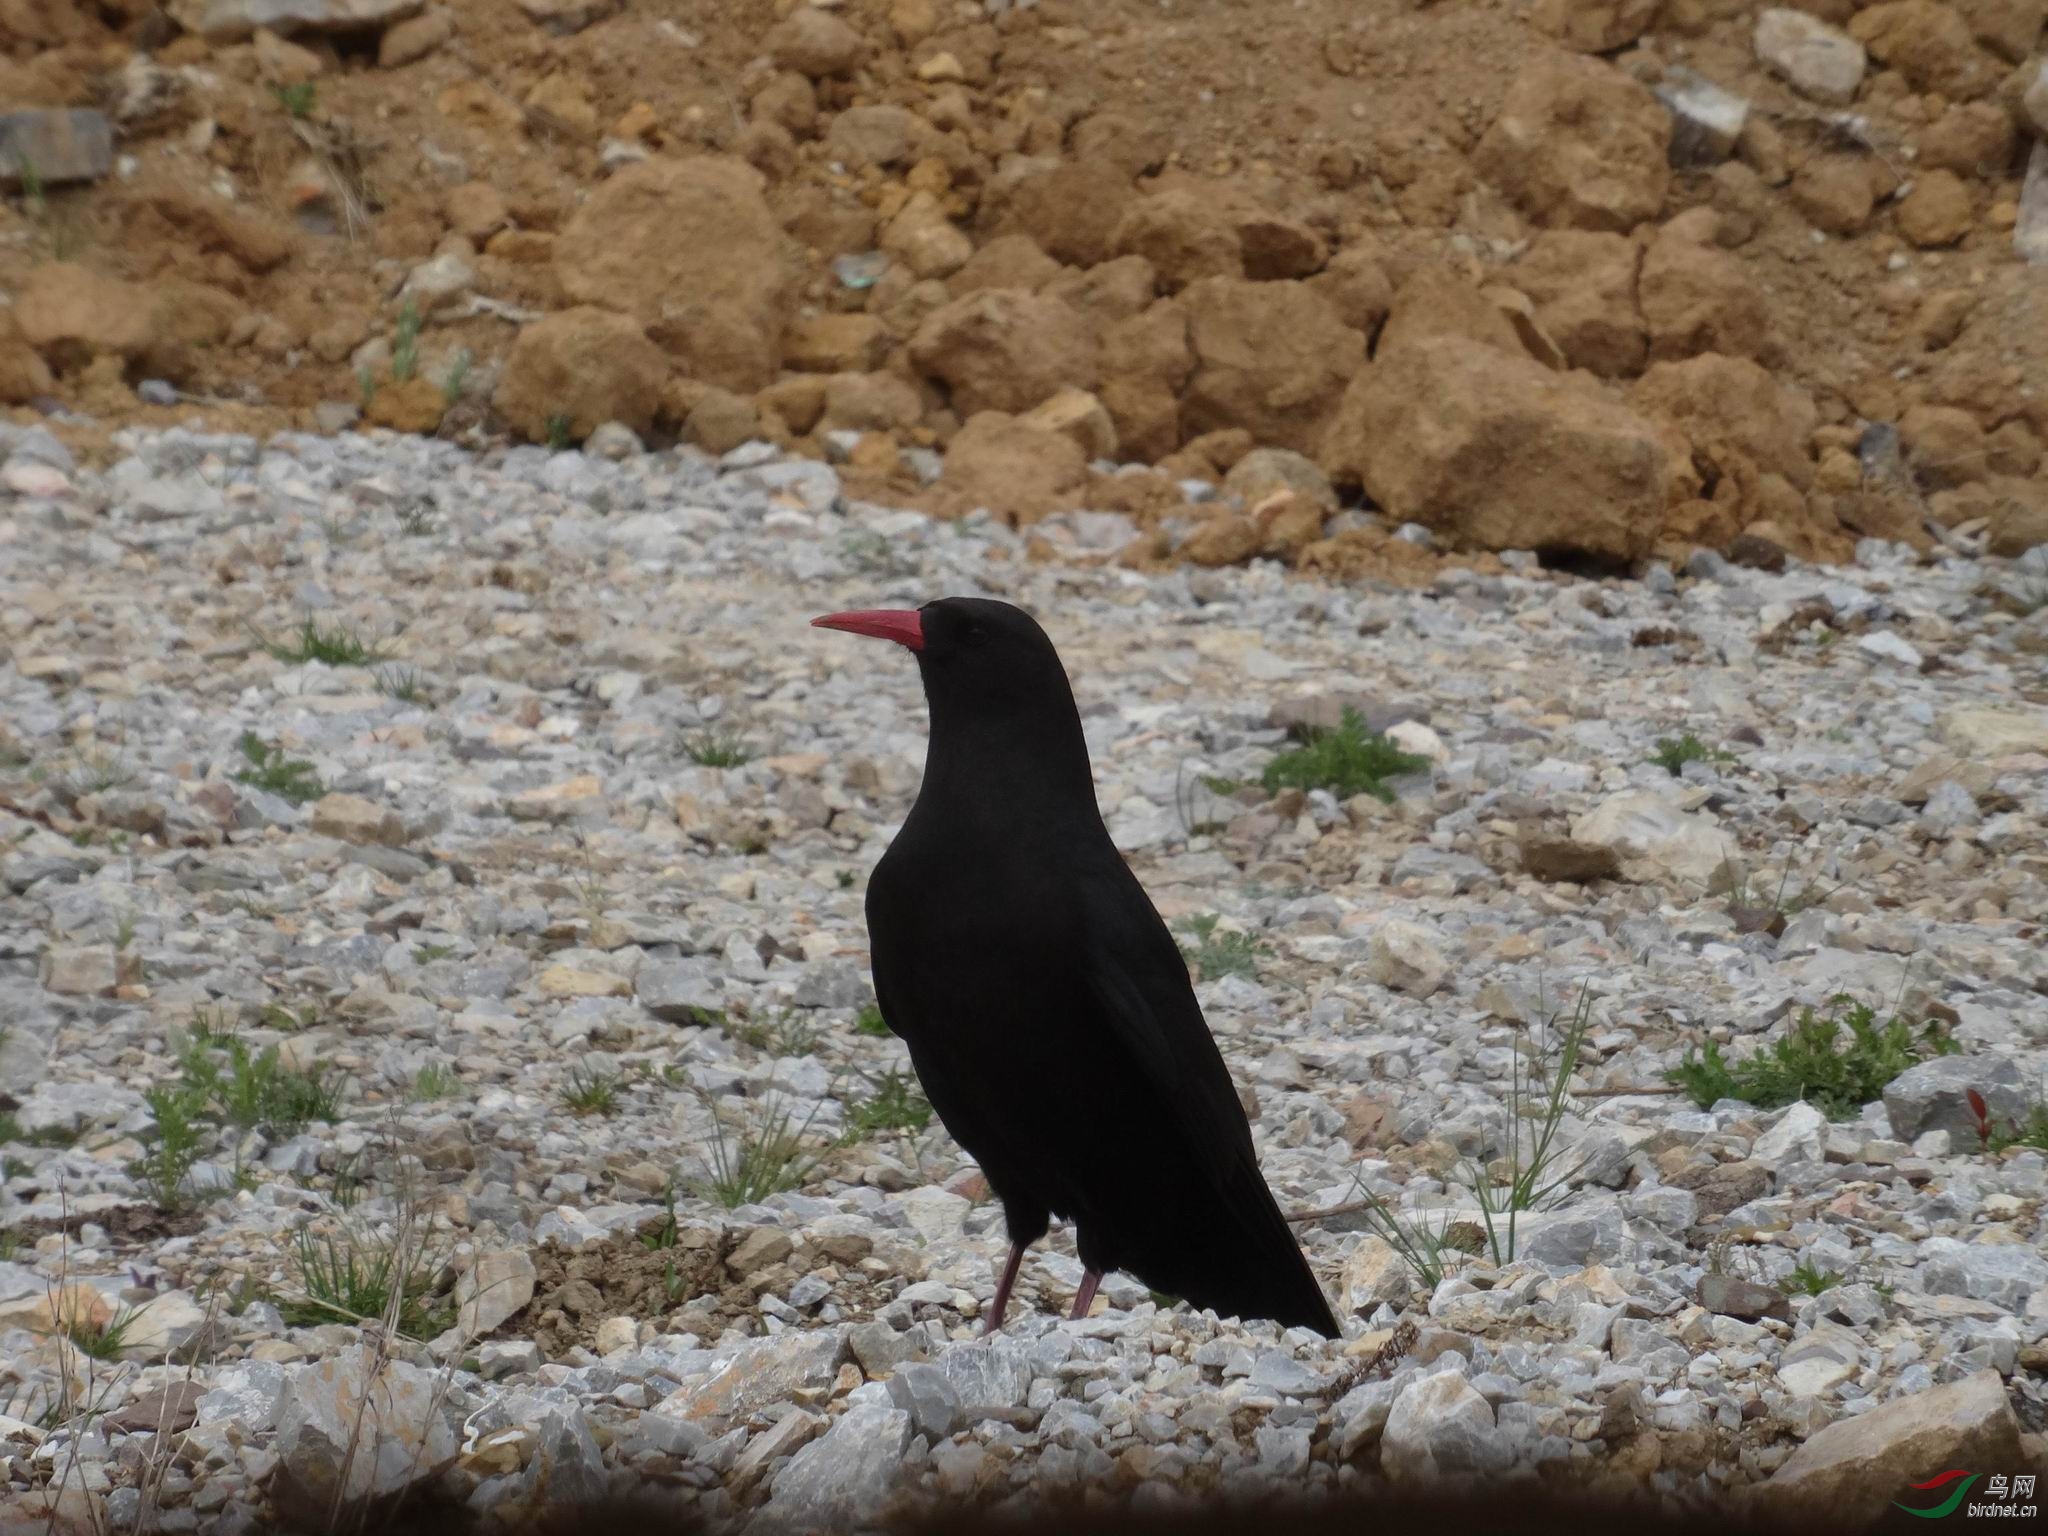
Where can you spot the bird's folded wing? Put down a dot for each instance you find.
(1137, 978)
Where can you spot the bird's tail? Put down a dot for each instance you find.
(1256, 1267)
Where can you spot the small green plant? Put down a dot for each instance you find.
(405, 343)
(103, 1340)
(663, 1234)
(297, 99)
(1837, 1064)
(1529, 1171)
(845, 877)
(366, 387)
(1350, 760)
(1219, 952)
(348, 1181)
(171, 1148)
(10, 1128)
(765, 1160)
(787, 1032)
(344, 1277)
(403, 684)
(1418, 1240)
(289, 1020)
(434, 1081)
(717, 749)
(1808, 1279)
(340, 646)
(427, 954)
(1674, 752)
(592, 1091)
(894, 1105)
(456, 377)
(274, 773)
(559, 437)
(255, 1089)
(33, 198)
(869, 1021)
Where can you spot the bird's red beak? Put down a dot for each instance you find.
(903, 625)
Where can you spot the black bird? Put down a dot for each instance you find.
(1047, 1010)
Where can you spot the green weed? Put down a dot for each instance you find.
(347, 1278)
(271, 771)
(405, 344)
(341, 646)
(297, 100)
(1816, 1060)
(592, 1091)
(894, 1105)
(1674, 752)
(717, 749)
(1809, 1280)
(1219, 952)
(1350, 760)
(869, 1021)
(765, 1160)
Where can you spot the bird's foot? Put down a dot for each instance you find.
(1085, 1297)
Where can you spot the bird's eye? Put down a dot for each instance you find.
(976, 635)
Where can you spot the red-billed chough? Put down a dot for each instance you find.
(1048, 1011)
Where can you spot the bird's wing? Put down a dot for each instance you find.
(1138, 979)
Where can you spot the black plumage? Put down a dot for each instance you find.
(1047, 1010)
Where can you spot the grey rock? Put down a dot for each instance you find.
(1819, 61)
(836, 1478)
(679, 991)
(352, 1428)
(230, 21)
(54, 146)
(1440, 1429)
(1934, 1096)
(928, 1395)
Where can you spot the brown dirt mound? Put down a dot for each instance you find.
(891, 216)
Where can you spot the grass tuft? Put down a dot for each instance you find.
(559, 434)
(1218, 952)
(717, 749)
(1817, 1061)
(1350, 760)
(764, 1161)
(1808, 1279)
(894, 1105)
(869, 1021)
(271, 771)
(347, 1278)
(405, 345)
(1674, 752)
(340, 646)
(435, 1081)
(592, 1091)
(456, 377)
(102, 1341)
(297, 100)
(788, 1033)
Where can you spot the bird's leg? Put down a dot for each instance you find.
(1001, 1304)
(1085, 1297)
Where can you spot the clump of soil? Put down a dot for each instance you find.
(687, 1285)
(1643, 293)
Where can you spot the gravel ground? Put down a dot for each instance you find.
(525, 959)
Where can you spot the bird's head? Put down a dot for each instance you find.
(979, 657)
